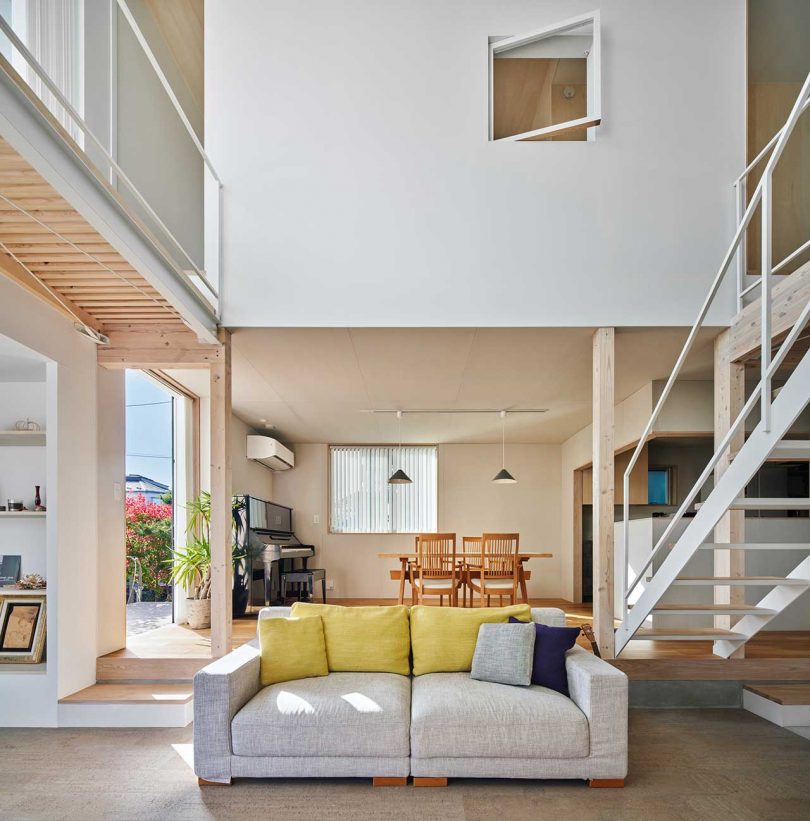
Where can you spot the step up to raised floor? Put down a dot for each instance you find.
(687, 634)
(133, 704)
(787, 705)
(120, 667)
(736, 581)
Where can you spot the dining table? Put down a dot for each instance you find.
(405, 557)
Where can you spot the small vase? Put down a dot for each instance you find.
(37, 500)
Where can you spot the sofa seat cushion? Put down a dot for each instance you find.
(342, 714)
(454, 716)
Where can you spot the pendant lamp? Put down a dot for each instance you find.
(503, 476)
(399, 477)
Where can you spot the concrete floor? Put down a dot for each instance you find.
(685, 764)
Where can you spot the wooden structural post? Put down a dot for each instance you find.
(603, 489)
(729, 398)
(221, 502)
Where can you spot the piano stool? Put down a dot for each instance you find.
(304, 576)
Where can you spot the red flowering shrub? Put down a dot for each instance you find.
(149, 539)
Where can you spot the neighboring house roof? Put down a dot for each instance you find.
(136, 482)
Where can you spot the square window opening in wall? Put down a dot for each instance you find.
(546, 84)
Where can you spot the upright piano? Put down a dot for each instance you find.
(265, 532)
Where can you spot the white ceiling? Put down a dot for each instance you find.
(314, 384)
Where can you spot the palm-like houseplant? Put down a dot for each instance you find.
(191, 565)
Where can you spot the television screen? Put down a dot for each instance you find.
(270, 516)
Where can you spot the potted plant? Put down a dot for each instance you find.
(192, 564)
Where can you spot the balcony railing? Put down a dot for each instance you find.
(200, 267)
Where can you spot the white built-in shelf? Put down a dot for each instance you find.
(27, 669)
(11, 590)
(28, 438)
(23, 514)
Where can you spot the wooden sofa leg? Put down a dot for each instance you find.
(606, 782)
(203, 783)
(389, 781)
(429, 782)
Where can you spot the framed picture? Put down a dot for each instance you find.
(22, 629)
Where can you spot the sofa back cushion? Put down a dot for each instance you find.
(363, 639)
(291, 649)
(443, 638)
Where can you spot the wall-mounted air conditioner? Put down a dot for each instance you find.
(269, 452)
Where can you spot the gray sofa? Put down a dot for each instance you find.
(384, 725)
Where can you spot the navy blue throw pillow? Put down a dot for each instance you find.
(550, 646)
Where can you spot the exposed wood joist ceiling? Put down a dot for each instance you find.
(48, 248)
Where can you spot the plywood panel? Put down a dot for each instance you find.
(638, 479)
(768, 107)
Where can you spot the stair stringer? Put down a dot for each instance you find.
(778, 599)
(784, 411)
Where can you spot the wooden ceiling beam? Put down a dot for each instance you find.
(154, 346)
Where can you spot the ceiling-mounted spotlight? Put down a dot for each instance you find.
(399, 477)
(503, 476)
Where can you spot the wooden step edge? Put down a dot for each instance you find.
(131, 694)
(765, 503)
(796, 694)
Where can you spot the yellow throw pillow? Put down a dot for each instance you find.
(291, 649)
(363, 639)
(443, 638)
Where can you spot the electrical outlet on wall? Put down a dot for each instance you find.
(330, 584)
(316, 519)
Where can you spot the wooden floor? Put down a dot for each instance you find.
(684, 765)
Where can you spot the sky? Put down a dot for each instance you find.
(149, 428)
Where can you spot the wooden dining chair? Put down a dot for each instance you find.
(498, 574)
(471, 563)
(435, 572)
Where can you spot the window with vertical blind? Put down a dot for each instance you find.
(362, 501)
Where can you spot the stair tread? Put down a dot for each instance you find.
(756, 546)
(766, 503)
(785, 694)
(740, 579)
(133, 693)
(791, 449)
(705, 633)
(714, 608)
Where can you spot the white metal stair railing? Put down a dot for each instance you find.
(776, 417)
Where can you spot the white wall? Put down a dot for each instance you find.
(468, 505)
(352, 142)
(30, 698)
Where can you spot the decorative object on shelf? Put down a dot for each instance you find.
(33, 581)
(37, 499)
(9, 569)
(27, 425)
(22, 629)
(13, 504)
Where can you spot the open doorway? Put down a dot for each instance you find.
(150, 501)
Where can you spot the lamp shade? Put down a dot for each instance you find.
(503, 477)
(402, 478)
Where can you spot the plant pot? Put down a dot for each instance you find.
(241, 588)
(198, 612)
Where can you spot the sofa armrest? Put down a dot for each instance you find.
(220, 690)
(600, 691)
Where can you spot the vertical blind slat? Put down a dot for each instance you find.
(362, 501)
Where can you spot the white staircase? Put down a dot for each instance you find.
(767, 442)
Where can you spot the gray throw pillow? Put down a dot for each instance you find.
(504, 654)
